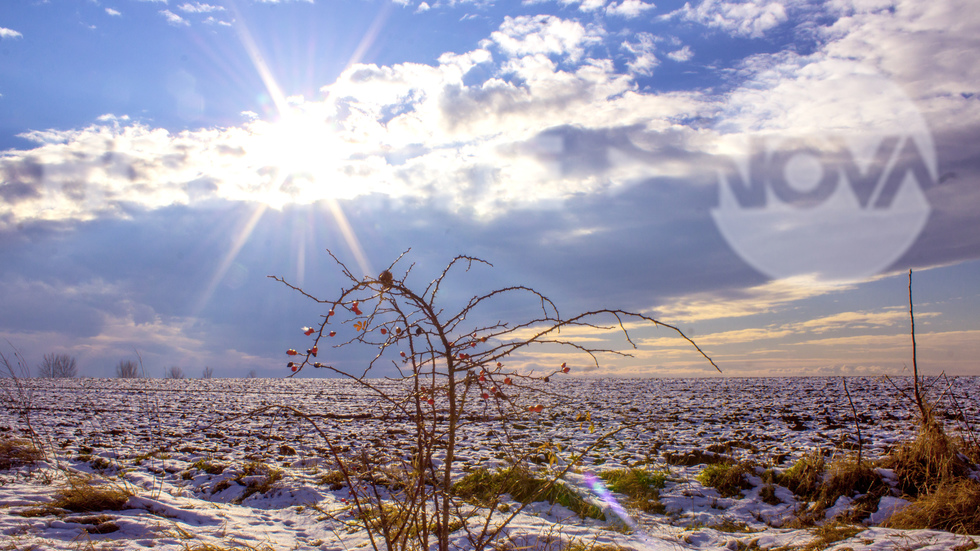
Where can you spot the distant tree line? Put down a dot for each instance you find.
(61, 366)
(57, 366)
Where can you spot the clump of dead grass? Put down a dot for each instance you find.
(18, 451)
(641, 488)
(929, 461)
(952, 506)
(831, 533)
(262, 478)
(233, 546)
(847, 476)
(485, 488)
(804, 477)
(729, 480)
(81, 496)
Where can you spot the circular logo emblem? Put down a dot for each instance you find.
(834, 185)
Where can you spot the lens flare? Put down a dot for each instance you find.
(612, 504)
(603, 493)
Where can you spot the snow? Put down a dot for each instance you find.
(155, 437)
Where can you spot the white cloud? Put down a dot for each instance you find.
(173, 18)
(427, 132)
(408, 131)
(423, 7)
(735, 303)
(9, 33)
(752, 18)
(113, 12)
(583, 5)
(544, 34)
(684, 54)
(591, 5)
(213, 21)
(928, 48)
(629, 8)
(644, 60)
(198, 7)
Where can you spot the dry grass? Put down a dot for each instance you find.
(640, 487)
(333, 480)
(577, 545)
(831, 533)
(847, 477)
(18, 451)
(233, 546)
(80, 496)
(729, 480)
(929, 461)
(804, 477)
(953, 507)
(768, 495)
(265, 478)
(485, 488)
(208, 466)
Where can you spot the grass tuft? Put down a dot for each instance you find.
(640, 487)
(729, 480)
(485, 488)
(929, 461)
(831, 533)
(953, 507)
(208, 467)
(81, 497)
(803, 478)
(18, 451)
(264, 478)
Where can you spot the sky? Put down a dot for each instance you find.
(760, 174)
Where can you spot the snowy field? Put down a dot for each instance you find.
(188, 449)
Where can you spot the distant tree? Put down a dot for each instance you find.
(208, 372)
(174, 372)
(57, 366)
(252, 374)
(127, 369)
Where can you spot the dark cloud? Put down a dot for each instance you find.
(952, 233)
(15, 192)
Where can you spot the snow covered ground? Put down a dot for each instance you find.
(203, 470)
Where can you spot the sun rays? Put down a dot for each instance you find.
(305, 156)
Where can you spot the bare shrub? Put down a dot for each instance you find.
(207, 373)
(127, 369)
(448, 366)
(58, 366)
(933, 459)
(174, 372)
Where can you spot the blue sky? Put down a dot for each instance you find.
(762, 174)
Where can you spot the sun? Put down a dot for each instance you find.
(303, 156)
